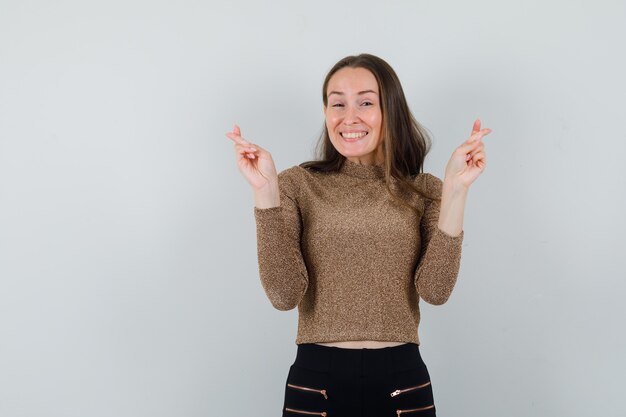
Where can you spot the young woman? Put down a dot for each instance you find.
(354, 239)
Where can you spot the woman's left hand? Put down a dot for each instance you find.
(468, 161)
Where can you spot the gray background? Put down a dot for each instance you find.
(128, 274)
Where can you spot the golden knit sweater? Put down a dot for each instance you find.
(353, 261)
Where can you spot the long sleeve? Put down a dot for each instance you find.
(282, 269)
(440, 256)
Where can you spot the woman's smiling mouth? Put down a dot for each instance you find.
(352, 136)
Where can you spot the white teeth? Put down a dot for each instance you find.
(353, 135)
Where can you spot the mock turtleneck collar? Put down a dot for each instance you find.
(362, 171)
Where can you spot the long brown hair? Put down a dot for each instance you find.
(405, 142)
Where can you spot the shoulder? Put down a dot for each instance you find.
(293, 174)
(298, 173)
(293, 179)
(429, 184)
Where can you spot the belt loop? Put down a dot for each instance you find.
(330, 360)
(395, 360)
(360, 369)
(390, 364)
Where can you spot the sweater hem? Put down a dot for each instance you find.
(344, 338)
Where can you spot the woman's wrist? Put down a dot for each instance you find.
(452, 209)
(268, 196)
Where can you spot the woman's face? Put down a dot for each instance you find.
(353, 115)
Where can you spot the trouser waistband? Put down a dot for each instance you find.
(364, 361)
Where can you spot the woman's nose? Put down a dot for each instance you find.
(350, 116)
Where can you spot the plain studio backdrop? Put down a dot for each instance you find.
(128, 273)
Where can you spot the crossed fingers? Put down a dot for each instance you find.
(242, 146)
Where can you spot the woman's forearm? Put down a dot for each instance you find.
(268, 196)
(452, 209)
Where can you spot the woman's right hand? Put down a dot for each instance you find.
(254, 162)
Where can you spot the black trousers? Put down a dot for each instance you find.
(331, 381)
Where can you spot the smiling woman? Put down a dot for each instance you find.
(355, 239)
(353, 116)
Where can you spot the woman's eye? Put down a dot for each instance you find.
(367, 103)
(338, 105)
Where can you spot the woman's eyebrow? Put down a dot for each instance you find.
(360, 92)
